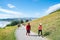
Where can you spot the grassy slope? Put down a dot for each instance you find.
(7, 33)
(50, 23)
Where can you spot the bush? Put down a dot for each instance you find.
(47, 33)
(27, 20)
(13, 23)
(8, 25)
(21, 21)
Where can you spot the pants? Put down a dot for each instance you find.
(39, 31)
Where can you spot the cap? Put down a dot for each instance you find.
(40, 23)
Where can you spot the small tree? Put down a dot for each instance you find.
(27, 20)
(13, 23)
(21, 21)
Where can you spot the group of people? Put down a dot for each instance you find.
(28, 28)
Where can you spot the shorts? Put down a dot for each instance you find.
(28, 31)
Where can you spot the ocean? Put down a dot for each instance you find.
(3, 23)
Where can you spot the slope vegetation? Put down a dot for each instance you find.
(51, 25)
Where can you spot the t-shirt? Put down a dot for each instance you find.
(40, 27)
(28, 27)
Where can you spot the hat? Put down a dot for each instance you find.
(40, 23)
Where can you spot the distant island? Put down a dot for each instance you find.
(12, 19)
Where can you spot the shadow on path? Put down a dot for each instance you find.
(21, 35)
(37, 36)
(34, 35)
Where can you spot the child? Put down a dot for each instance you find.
(39, 29)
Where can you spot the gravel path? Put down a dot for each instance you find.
(21, 35)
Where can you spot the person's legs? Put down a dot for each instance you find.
(41, 32)
(28, 32)
(38, 32)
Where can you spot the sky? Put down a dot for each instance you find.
(27, 8)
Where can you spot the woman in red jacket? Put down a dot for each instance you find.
(28, 28)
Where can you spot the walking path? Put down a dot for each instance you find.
(21, 35)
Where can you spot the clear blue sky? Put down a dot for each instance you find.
(25, 8)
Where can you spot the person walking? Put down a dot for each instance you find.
(40, 29)
(18, 25)
(28, 28)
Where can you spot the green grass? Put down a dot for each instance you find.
(51, 23)
(7, 33)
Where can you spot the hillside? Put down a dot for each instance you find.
(8, 33)
(51, 24)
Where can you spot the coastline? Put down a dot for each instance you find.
(4, 23)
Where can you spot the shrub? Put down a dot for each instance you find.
(13, 23)
(21, 21)
(47, 33)
(8, 25)
(27, 20)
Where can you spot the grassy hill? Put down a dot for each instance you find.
(8, 33)
(51, 25)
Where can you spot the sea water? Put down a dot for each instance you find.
(3, 23)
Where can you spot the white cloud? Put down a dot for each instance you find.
(9, 14)
(5, 16)
(53, 8)
(10, 6)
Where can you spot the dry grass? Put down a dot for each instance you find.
(50, 23)
(7, 33)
